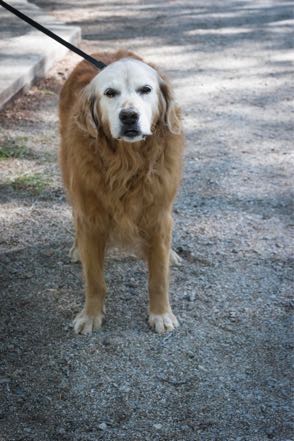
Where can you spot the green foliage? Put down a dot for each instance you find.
(14, 148)
(34, 183)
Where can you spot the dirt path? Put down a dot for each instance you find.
(225, 374)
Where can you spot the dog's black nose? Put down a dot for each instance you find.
(128, 116)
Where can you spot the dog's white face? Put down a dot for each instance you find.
(128, 92)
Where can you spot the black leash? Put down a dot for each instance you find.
(51, 34)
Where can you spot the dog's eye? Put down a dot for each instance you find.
(111, 93)
(144, 90)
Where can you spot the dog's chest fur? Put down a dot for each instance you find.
(129, 184)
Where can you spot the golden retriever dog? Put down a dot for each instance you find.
(120, 157)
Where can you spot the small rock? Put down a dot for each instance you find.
(4, 380)
(61, 431)
(157, 426)
(202, 368)
(107, 341)
(125, 389)
(102, 426)
(47, 253)
(27, 429)
(19, 391)
(190, 297)
(190, 354)
(233, 316)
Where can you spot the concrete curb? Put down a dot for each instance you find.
(25, 53)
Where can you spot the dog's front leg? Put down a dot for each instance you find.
(161, 317)
(92, 250)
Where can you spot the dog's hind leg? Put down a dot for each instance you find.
(74, 253)
(175, 259)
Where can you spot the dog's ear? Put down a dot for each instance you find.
(170, 112)
(86, 113)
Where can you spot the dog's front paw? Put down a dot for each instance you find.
(85, 324)
(163, 322)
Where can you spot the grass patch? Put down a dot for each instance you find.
(14, 148)
(34, 183)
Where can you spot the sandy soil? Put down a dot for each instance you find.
(225, 374)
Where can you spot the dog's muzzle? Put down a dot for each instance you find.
(129, 119)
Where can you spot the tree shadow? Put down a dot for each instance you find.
(188, 23)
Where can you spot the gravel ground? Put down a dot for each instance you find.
(225, 374)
